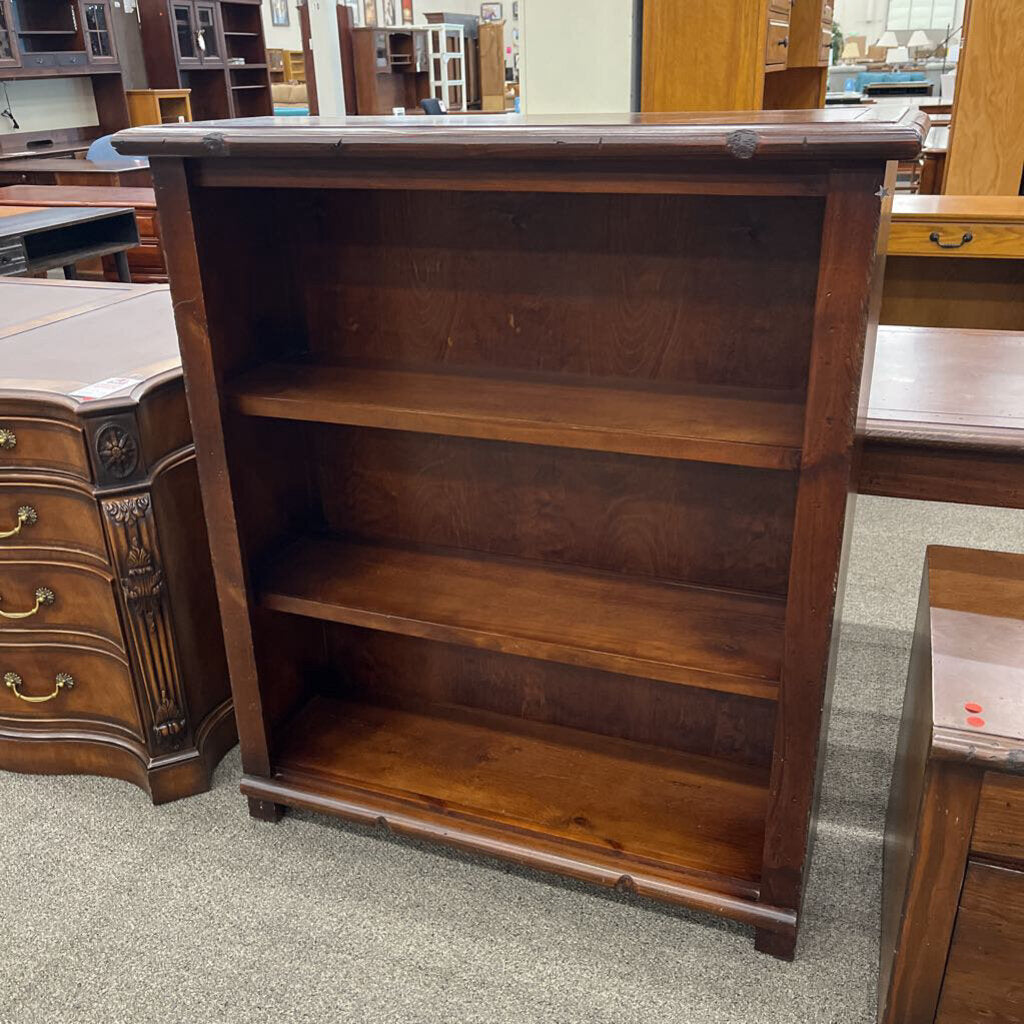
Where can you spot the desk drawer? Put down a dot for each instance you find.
(999, 824)
(777, 43)
(961, 239)
(984, 981)
(49, 518)
(12, 257)
(53, 595)
(149, 227)
(77, 682)
(32, 443)
(780, 6)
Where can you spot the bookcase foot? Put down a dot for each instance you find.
(781, 945)
(265, 810)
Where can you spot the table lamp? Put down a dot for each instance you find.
(851, 51)
(918, 40)
(888, 41)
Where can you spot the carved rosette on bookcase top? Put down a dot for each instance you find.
(131, 532)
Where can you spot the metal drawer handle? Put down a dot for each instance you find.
(8, 438)
(43, 596)
(63, 680)
(27, 515)
(934, 237)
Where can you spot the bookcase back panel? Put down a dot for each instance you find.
(643, 516)
(405, 671)
(714, 290)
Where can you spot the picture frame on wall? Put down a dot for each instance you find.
(406, 12)
(389, 13)
(515, 10)
(279, 15)
(490, 12)
(370, 13)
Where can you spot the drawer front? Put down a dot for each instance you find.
(48, 518)
(779, 6)
(76, 682)
(826, 41)
(777, 43)
(32, 443)
(71, 60)
(39, 60)
(58, 596)
(13, 259)
(826, 17)
(984, 980)
(999, 825)
(962, 239)
(149, 230)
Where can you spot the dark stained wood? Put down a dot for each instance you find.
(700, 637)
(53, 171)
(667, 809)
(984, 959)
(118, 540)
(952, 925)
(489, 600)
(715, 424)
(946, 420)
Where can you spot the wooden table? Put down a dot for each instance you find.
(146, 260)
(953, 888)
(946, 416)
(56, 171)
(111, 656)
(956, 261)
(36, 239)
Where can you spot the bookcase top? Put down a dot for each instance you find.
(872, 133)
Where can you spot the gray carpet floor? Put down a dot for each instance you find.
(114, 911)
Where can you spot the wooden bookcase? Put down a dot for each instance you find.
(215, 48)
(526, 466)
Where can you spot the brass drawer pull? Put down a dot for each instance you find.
(27, 515)
(43, 596)
(936, 238)
(8, 438)
(63, 680)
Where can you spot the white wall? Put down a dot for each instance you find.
(49, 104)
(868, 18)
(285, 37)
(576, 58)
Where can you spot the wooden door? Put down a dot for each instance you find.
(183, 23)
(9, 56)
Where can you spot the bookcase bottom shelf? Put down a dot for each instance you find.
(677, 827)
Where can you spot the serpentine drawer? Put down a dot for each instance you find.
(61, 679)
(47, 518)
(37, 443)
(38, 595)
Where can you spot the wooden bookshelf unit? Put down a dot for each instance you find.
(526, 464)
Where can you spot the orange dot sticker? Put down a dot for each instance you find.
(972, 707)
(976, 721)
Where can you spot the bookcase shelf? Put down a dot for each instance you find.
(594, 796)
(697, 636)
(739, 426)
(526, 467)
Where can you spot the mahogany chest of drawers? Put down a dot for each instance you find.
(111, 657)
(953, 896)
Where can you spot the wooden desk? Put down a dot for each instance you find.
(933, 158)
(146, 260)
(37, 239)
(953, 888)
(55, 171)
(946, 417)
(956, 261)
(111, 657)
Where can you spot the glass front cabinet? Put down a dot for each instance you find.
(98, 32)
(8, 40)
(195, 33)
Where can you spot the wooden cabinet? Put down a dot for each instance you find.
(99, 33)
(739, 54)
(392, 69)
(953, 895)
(159, 106)
(111, 656)
(542, 556)
(213, 48)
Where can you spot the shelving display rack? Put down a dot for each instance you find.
(526, 464)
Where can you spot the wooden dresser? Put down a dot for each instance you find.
(146, 260)
(953, 897)
(526, 464)
(111, 653)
